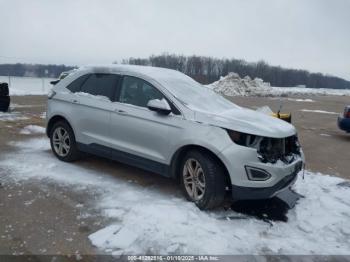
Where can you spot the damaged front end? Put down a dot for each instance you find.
(270, 150)
(271, 165)
(285, 149)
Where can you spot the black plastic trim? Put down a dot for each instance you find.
(126, 158)
(247, 168)
(250, 193)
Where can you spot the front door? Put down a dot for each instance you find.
(138, 131)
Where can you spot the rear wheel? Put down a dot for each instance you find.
(203, 180)
(63, 142)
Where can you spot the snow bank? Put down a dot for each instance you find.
(233, 85)
(20, 86)
(148, 220)
(32, 129)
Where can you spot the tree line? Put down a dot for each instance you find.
(34, 70)
(202, 68)
(208, 69)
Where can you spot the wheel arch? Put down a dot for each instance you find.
(54, 120)
(179, 155)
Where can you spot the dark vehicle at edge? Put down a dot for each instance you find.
(344, 121)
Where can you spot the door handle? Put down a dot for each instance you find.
(74, 101)
(122, 112)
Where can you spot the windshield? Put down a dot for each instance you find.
(196, 96)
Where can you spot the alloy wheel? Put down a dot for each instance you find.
(61, 141)
(194, 179)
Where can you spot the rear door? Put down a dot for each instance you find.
(136, 130)
(92, 113)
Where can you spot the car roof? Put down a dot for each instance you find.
(146, 71)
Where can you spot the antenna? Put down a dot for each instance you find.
(280, 109)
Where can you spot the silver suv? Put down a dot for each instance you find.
(165, 122)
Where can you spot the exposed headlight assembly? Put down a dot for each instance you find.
(244, 139)
(269, 150)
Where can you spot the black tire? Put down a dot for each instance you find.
(73, 152)
(4, 103)
(215, 182)
(4, 89)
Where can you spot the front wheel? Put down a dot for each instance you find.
(203, 180)
(63, 142)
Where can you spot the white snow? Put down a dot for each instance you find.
(19, 86)
(12, 116)
(265, 110)
(32, 129)
(23, 106)
(301, 100)
(148, 220)
(233, 85)
(319, 111)
(98, 97)
(114, 236)
(113, 212)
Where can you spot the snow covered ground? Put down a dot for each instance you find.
(233, 85)
(27, 85)
(146, 220)
(319, 111)
(13, 116)
(32, 129)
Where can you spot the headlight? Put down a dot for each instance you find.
(244, 139)
(235, 136)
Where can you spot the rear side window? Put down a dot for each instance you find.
(101, 85)
(76, 84)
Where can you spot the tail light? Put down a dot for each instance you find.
(347, 114)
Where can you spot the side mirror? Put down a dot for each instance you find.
(160, 106)
(54, 82)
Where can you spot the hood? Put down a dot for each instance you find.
(247, 121)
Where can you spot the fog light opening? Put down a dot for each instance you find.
(257, 174)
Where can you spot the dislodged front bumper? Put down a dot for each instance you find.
(280, 175)
(249, 193)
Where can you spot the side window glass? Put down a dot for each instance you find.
(138, 92)
(101, 85)
(77, 83)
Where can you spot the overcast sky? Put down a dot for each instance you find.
(307, 34)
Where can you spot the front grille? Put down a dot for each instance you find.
(273, 149)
